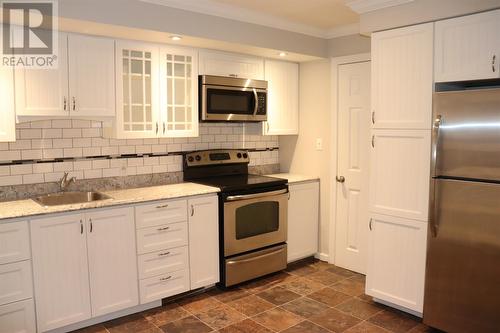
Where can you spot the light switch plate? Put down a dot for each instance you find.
(319, 144)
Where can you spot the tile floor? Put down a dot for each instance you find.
(310, 296)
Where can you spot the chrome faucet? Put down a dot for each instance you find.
(65, 182)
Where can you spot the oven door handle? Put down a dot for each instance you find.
(256, 195)
(256, 107)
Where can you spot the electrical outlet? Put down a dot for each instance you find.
(319, 144)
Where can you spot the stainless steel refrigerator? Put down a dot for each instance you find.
(462, 286)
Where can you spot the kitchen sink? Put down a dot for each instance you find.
(68, 198)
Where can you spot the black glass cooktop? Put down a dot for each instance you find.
(240, 182)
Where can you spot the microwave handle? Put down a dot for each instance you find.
(256, 108)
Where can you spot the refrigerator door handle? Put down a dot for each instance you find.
(436, 126)
(433, 202)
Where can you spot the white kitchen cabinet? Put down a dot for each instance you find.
(112, 260)
(156, 91)
(14, 242)
(15, 282)
(204, 241)
(402, 77)
(231, 64)
(283, 98)
(303, 220)
(179, 91)
(18, 317)
(60, 270)
(396, 261)
(81, 86)
(468, 47)
(8, 114)
(399, 173)
(44, 92)
(91, 76)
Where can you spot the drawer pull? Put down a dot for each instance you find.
(166, 278)
(162, 206)
(163, 229)
(163, 254)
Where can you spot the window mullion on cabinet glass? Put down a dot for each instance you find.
(179, 103)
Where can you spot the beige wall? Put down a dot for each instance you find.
(420, 11)
(345, 45)
(297, 153)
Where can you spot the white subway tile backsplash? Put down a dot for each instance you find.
(63, 138)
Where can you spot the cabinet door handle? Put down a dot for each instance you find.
(156, 128)
(163, 127)
(166, 278)
(163, 229)
(493, 60)
(370, 224)
(373, 141)
(65, 102)
(74, 103)
(267, 124)
(91, 225)
(162, 206)
(81, 226)
(373, 117)
(192, 210)
(233, 75)
(163, 254)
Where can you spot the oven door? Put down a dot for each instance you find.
(233, 103)
(254, 221)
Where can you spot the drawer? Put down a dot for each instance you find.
(162, 237)
(15, 282)
(159, 213)
(18, 317)
(158, 287)
(14, 242)
(162, 262)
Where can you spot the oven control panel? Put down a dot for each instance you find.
(216, 157)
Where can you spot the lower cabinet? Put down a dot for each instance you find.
(396, 261)
(303, 220)
(84, 266)
(204, 241)
(18, 317)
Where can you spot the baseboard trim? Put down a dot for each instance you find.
(322, 256)
(402, 308)
(110, 316)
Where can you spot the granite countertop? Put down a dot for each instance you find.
(29, 208)
(294, 178)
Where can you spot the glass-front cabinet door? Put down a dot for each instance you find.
(137, 84)
(179, 92)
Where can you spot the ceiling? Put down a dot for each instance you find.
(319, 18)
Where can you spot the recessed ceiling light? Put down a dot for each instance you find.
(175, 38)
(283, 54)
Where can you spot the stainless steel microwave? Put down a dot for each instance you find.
(232, 99)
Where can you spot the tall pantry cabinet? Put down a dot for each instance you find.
(402, 86)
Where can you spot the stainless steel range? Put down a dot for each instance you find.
(252, 213)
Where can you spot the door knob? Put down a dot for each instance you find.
(340, 179)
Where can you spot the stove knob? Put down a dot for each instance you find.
(245, 155)
(198, 158)
(190, 159)
(239, 155)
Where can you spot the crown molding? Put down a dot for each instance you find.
(365, 6)
(208, 7)
(343, 30)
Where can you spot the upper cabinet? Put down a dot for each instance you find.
(91, 75)
(230, 64)
(156, 92)
(81, 86)
(7, 114)
(402, 70)
(468, 48)
(283, 98)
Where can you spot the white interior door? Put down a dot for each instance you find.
(352, 177)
